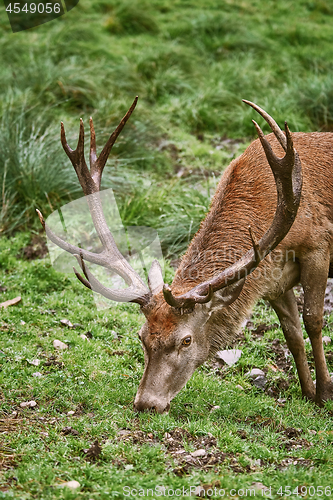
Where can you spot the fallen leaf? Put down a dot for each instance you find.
(229, 356)
(11, 302)
(57, 344)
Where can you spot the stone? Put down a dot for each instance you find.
(28, 404)
(73, 485)
(260, 382)
(254, 373)
(198, 453)
(57, 344)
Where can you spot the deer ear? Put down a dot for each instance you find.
(155, 278)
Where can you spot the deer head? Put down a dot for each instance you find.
(175, 337)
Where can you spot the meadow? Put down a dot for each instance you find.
(191, 63)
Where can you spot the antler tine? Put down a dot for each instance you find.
(95, 258)
(91, 282)
(93, 156)
(287, 173)
(110, 257)
(82, 279)
(271, 122)
(78, 161)
(97, 164)
(255, 245)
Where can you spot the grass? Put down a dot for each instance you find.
(191, 63)
(257, 438)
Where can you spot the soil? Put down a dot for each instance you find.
(37, 249)
(207, 455)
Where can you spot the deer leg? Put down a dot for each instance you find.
(314, 274)
(285, 307)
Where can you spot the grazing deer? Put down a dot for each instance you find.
(242, 252)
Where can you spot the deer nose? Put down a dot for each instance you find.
(151, 405)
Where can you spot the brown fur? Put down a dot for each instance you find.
(246, 195)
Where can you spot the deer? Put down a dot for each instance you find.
(269, 228)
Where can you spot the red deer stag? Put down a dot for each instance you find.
(242, 252)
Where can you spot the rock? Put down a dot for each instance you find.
(198, 453)
(327, 340)
(215, 408)
(71, 412)
(84, 337)
(239, 387)
(115, 334)
(254, 373)
(73, 485)
(66, 322)
(281, 401)
(259, 486)
(57, 344)
(37, 374)
(28, 404)
(260, 382)
(45, 434)
(229, 356)
(34, 362)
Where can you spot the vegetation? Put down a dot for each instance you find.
(191, 63)
(273, 438)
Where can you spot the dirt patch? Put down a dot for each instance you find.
(259, 331)
(37, 249)
(328, 302)
(281, 355)
(205, 456)
(8, 457)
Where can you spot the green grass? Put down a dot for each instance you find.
(98, 380)
(190, 62)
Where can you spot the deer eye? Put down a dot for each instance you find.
(186, 341)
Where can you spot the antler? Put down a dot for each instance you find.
(110, 257)
(287, 173)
